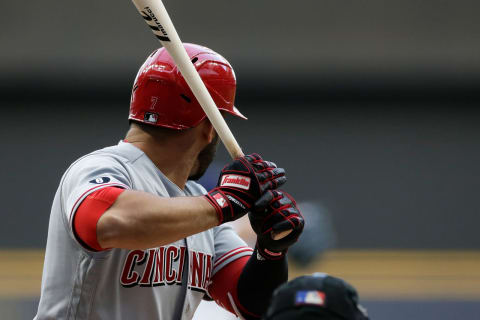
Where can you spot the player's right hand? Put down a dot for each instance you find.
(275, 211)
(241, 183)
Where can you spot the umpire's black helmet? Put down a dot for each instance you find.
(319, 297)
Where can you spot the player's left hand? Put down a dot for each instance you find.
(241, 183)
(275, 211)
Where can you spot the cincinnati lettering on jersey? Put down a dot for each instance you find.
(164, 266)
(233, 180)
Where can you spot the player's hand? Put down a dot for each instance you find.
(275, 211)
(241, 183)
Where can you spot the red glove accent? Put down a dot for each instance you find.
(89, 212)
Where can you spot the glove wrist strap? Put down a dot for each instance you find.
(218, 201)
(269, 254)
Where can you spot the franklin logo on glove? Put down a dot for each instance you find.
(232, 180)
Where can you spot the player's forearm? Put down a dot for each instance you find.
(257, 282)
(139, 220)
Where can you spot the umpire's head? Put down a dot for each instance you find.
(319, 297)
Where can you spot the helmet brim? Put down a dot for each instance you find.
(234, 112)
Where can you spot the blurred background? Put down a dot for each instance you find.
(371, 106)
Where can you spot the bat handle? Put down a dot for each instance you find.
(233, 149)
(280, 235)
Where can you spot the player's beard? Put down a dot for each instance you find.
(205, 157)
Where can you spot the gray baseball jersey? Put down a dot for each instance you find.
(167, 282)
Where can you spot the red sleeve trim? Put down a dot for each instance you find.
(224, 283)
(231, 253)
(89, 212)
(101, 186)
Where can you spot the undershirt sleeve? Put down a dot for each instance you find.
(89, 212)
(258, 280)
(244, 286)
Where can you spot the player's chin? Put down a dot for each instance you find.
(205, 158)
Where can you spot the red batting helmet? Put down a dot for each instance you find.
(161, 97)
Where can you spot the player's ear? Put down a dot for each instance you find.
(209, 131)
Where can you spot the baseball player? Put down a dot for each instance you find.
(132, 236)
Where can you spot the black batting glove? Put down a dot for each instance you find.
(241, 183)
(275, 211)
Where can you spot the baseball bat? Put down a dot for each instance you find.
(156, 16)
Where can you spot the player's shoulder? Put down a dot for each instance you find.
(123, 152)
(117, 154)
(106, 159)
(96, 158)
